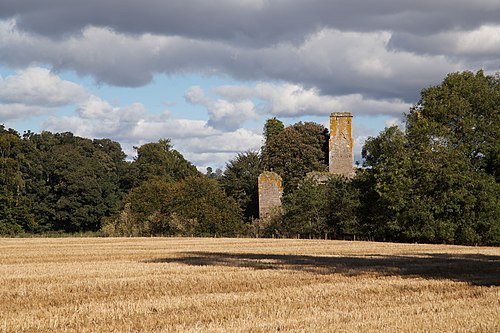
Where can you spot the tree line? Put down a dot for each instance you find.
(434, 181)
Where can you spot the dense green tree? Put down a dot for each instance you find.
(322, 206)
(454, 136)
(85, 184)
(159, 160)
(437, 181)
(147, 210)
(205, 201)
(73, 182)
(15, 212)
(192, 206)
(305, 210)
(272, 127)
(463, 114)
(240, 182)
(295, 151)
(385, 183)
(111, 155)
(38, 177)
(343, 204)
(77, 187)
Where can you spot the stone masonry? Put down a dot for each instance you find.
(341, 144)
(270, 191)
(341, 158)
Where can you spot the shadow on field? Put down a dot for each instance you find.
(476, 269)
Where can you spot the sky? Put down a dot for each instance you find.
(207, 74)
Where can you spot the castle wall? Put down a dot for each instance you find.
(341, 154)
(270, 192)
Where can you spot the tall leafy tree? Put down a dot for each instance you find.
(158, 160)
(272, 128)
(342, 210)
(39, 170)
(15, 206)
(205, 201)
(385, 184)
(295, 151)
(306, 210)
(73, 182)
(318, 208)
(240, 182)
(454, 132)
(463, 114)
(438, 182)
(192, 206)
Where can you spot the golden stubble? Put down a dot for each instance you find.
(245, 285)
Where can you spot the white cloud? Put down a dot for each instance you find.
(36, 91)
(216, 150)
(223, 114)
(133, 125)
(76, 125)
(95, 107)
(38, 86)
(152, 128)
(291, 100)
(482, 41)
(16, 111)
(393, 122)
(98, 118)
(196, 95)
(229, 115)
(228, 142)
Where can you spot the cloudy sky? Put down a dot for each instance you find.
(207, 74)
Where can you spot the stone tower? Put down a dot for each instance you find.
(341, 144)
(270, 191)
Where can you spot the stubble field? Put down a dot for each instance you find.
(245, 285)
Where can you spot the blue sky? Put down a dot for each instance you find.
(208, 74)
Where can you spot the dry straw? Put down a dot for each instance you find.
(245, 285)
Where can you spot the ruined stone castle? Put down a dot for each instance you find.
(341, 159)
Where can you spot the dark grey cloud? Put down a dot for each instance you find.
(252, 22)
(387, 49)
(337, 63)
(481, 45)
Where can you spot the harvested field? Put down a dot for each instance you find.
(245, 285)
